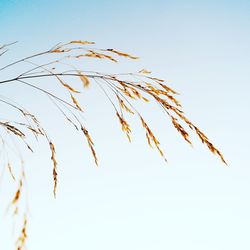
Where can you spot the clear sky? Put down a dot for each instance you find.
(134, 200)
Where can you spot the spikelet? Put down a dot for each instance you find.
(95, 54)
(53, 152)
(155, 79)
(173, 99)
(84, 79)
(81, 42)
(59, 50)
(16, 131)
(181, 130)
(145, 99)
(160, 92)
(125, 126)
(130, 90)
(35, 131)
(168, 89)
(136, 93)
(122, 54)
(76, 103)
(21, 241)
(10, 171)
(34, 120)
(144, 71)
(126, 91)
(151, 138)
(18, 193)
(210, 146)
(67, 86)
(90, 143)
(124, 106)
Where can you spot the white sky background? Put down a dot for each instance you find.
(134, 200)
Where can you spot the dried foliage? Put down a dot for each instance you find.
(121, 90)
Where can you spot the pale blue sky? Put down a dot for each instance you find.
(134, 200)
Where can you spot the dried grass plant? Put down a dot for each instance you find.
(120, 89)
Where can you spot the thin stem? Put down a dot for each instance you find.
(23, 59)
(46, 92)
(51, 75)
